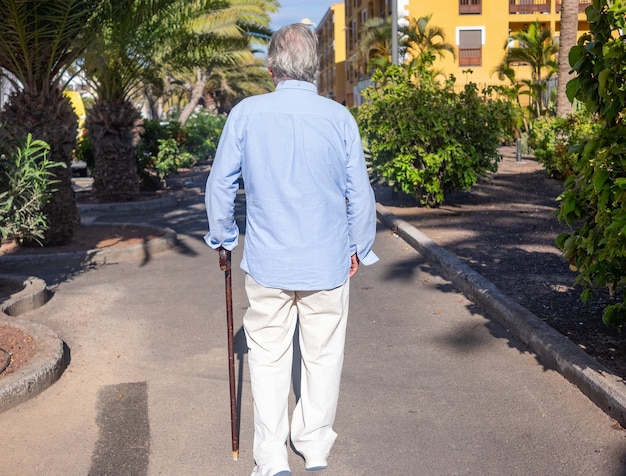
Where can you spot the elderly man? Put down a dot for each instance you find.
(310, 222)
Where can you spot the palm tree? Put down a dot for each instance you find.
(228, 85)
(374, 44)
(535, 48)
(418, 42)
(38, 42)
(420, 38)
(567, 40)
(239, 27)
(116, 64)
(130, 54)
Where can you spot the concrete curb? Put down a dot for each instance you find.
(33, 296)
(101, 255)
(40, 372)
(124, 208)
(602, 387)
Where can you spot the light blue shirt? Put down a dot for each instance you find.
(309, 202)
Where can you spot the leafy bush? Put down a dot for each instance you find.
(594, 201)
(84, 150)
(426, 140)
(552, 139)
(202, 133)
(155, 131)
(170, 158)
(25, 187)
(167, 146)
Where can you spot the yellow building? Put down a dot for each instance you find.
(331, 33)
(478, 30)
(357, 13)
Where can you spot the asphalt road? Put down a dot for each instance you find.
(431, 386)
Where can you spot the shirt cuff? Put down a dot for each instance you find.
(369, 258)
(227, 245)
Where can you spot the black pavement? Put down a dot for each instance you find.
(432, 385)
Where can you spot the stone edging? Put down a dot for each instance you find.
(602, 387)
(33, 295)
(120, 208)
(38, 373)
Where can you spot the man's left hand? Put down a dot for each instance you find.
(354, 265)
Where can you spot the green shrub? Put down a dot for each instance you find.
(594, 201)
(25, 187)
(84, 151)
(167, 146)
(552, 140)
(202, 133)
(153, 132)
(426, 140)
(170, 158)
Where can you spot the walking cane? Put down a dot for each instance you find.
(225, 266)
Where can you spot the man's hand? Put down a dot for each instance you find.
(224, 258)
(354, 265)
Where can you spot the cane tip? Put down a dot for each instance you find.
(235, 455)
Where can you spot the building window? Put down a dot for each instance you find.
(470, 47)
(529, 6)
(355, 32)
(469, 7)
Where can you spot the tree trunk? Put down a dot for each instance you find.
(196, 95)
(569, 33)
(48, 116)
(114, 129)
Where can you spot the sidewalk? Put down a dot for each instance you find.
(432, 385)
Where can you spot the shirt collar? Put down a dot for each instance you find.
(295, 84)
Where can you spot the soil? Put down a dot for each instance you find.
(16, 348)
(88, 237)
(504, 229)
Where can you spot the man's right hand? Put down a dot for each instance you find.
(224, 258)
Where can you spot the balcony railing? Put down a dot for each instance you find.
(582, 4)
(529, 6)
(470, 56)
(470, 7)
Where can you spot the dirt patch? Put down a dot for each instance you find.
(16, 349)
(90, 237)
(505, 229)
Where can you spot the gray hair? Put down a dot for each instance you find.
(293, 53)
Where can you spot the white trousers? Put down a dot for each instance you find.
(269, 324)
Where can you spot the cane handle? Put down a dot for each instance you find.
(224, 259)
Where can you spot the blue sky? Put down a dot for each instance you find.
(293, 11)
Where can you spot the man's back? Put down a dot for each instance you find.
(296, 147)
(308, 196)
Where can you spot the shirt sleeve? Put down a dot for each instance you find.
(221, 190)
(361, 203)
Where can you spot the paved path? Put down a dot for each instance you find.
(431, 386)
